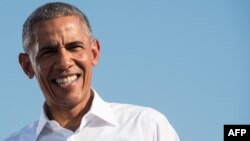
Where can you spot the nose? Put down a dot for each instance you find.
(64, 60)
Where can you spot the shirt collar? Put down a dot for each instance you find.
(99, 109)
(42, 121)
(102, 110)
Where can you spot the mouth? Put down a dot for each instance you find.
(66, 80)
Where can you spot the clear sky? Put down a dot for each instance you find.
(189, 59)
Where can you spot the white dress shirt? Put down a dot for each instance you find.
(104, 122)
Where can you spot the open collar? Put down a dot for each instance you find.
(99, 109)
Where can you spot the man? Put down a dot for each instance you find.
(60, 52)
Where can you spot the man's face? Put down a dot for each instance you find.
(61, 57)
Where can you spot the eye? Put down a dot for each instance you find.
(46, 52)
(75, 48)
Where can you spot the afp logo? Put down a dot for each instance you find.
(236, 132)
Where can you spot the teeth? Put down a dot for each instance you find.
(66, 80)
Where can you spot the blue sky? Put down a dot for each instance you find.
(187, 59)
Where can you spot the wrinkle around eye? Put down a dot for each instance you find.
(46, 53)
(75, 48)
(76, 45)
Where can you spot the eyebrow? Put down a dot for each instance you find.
(55, 47)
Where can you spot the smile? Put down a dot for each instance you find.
(66, 80)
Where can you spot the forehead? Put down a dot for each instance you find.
(66, 27)
(60, 21)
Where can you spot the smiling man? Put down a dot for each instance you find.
(60, 53)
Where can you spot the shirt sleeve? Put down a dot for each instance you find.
(164, 131)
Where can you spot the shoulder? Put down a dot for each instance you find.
(129, 111)
(144, 121)
(26, 133)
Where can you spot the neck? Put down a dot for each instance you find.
(71, 118)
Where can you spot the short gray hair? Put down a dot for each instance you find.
(50, 11)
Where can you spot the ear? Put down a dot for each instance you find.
(95, 48)
(26, 65)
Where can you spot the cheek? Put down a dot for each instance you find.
(42, 74)
(84, 60)
(84, 57)
(43, 68)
